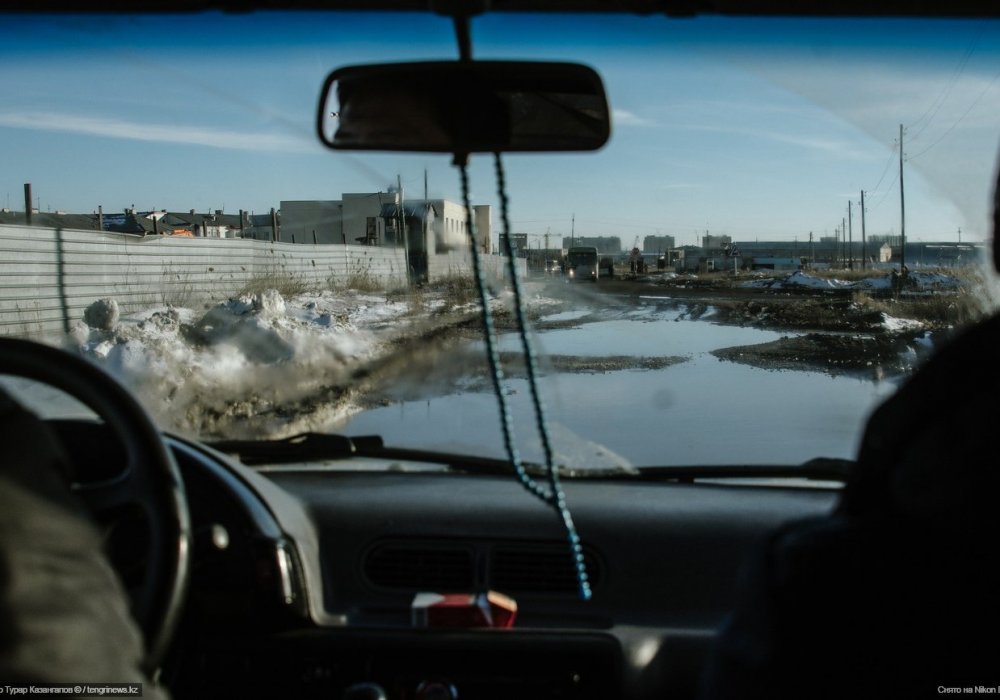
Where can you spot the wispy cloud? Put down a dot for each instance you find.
(840, 148)
(827, 145)
(161, 133)
(623, 117)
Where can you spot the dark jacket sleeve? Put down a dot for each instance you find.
(64, 616)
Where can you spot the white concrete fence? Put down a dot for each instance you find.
(49, 276)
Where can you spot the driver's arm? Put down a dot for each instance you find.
(64, 617)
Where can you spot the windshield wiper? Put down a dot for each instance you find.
(309, 447)
(297, 448)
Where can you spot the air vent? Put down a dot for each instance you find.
(420, 568)
(538, 569)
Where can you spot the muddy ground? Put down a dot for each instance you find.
(842, 336)
(880, 355)
(838, 333)
(834, 332)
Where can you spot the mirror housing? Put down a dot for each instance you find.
(464, 107)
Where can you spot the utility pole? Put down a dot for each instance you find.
(864, 248)
(960, 235)
(850, 236)
(812, 250)
(836, 247)
(27, 203)
(834, 257)
(572, 231)
(843, 241)
(902, 208)
(402, 227)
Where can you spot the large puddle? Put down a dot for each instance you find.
(701, 411)
(647, 331)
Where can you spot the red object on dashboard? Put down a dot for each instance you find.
(490, 609)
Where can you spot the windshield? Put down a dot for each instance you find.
(770, 266)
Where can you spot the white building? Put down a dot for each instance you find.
(372, 219)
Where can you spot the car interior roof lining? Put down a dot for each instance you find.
(673, 8)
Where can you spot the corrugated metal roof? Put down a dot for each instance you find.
(85, 222)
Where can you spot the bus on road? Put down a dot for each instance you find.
(581, 263)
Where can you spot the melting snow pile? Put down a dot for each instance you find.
(253, 367)
(797, 279)
(899, 325)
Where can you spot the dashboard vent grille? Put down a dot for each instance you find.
(420, 568)
(539, 569)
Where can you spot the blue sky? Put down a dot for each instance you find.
(759, 129)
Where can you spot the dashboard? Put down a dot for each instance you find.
(303, 580)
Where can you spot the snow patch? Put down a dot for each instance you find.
(919, 281)
(896, 325)
(259, 366)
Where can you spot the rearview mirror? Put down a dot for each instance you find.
(464, 107)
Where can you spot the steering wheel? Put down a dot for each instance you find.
(149, 484)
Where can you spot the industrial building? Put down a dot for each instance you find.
(376, 218)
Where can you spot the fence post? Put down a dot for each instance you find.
(27, 203)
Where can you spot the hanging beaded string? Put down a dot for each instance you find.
(530, 357)
(492, 355)
(531, 363)
(555, 496)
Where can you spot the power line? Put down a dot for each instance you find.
(959, 120)
(943, 96)
(888, 162)
(885, 170)
(884, 194)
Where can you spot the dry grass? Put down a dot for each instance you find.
(285, 283)
(456, 290)
(178, 289)
(941, 309)
(359, 278)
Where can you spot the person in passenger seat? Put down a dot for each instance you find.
(64, 616)
(897, 592)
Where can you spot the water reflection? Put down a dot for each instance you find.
(703, 411)
(645, 332)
